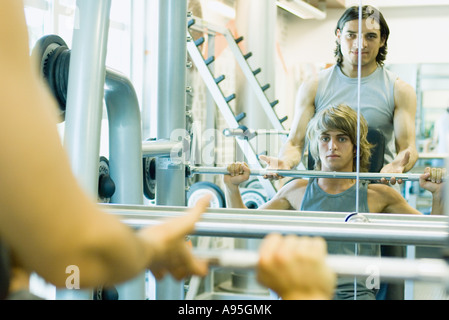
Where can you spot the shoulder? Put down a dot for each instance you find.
(310, 83)
(403, 89)
(293, 189)
(288, 197)
(293, 185)
(307, 91)
(404, 96)
(384, 193)
(293, 192)
(403, 86)
(380, 188)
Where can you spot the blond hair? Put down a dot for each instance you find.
(344, 119)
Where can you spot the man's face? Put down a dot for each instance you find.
(349, 42)
(336, 151)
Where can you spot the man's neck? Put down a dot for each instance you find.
(352, 71)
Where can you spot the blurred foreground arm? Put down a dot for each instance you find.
(45, 217)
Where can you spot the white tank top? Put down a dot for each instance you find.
(376, 99)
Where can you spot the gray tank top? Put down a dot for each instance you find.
(315, 199)
(376, 99)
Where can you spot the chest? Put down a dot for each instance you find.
(316, 199)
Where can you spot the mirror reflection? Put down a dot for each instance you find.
(260, 76)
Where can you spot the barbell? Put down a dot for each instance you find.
(389, 269)
(310, 174)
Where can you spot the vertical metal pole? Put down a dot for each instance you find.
(171, 118)
(85, 91)
(84, 100)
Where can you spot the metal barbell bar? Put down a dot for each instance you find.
(311, 174)
(390, 269)
(242, 132)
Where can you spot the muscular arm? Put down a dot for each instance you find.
(234, 197)
(234, 200)
(45, 217)
(389, 200)
(404, 129)
(238, 173)
(289, 197)
(382, 198)
(291, 152)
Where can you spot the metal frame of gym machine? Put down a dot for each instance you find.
(86, 88)
(82, 139)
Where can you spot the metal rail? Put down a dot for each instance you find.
(163, 211)
(252, 225)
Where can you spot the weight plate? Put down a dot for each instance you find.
(253, 199)
(53, 55)
(149, 178)
(200, 189)
(105, 183)
(253, 184)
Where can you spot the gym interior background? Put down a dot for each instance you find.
(287, 48)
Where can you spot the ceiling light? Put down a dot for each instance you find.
(301, 9)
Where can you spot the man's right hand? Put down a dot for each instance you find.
(274, 164)
(238, 172)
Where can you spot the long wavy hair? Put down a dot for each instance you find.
(344, 119)
(368, 12)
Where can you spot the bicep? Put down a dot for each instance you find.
(404, 115)
(304, 110)
(397, 204)
(277, 203)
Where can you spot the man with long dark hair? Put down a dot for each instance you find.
(387, 102)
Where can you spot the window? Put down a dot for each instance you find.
(58, 17)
